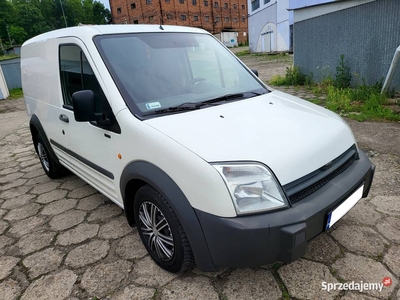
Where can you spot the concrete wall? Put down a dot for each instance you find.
(367, 35)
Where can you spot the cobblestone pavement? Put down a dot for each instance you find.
(60, 239)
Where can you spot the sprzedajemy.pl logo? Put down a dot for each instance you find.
(357, 286)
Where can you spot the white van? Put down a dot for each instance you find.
(213, 167)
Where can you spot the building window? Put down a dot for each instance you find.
(166, 0)
(266, 1)
(215, 4)
(133, 5)
(148, 2)
(207, 18)
(216, 19)
(243, 7)
(119, 10)
(135, 22)
(226, 19)
(243, 19)
(183, 17)
(234, 6)
(181, 1)
(226, 5)
(235, 20)
(169, 17)
(194, 2)
(151, 18)
(195, 18)
(205, 3)
(255, 4)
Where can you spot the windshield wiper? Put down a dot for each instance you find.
(193, 106)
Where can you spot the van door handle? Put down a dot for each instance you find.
(64, 118)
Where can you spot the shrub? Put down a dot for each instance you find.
(342, 76)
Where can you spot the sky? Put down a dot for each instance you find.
(106, 3)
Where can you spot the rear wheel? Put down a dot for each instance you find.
(52, 168)
(161, 232)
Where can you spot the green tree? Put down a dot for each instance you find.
(18, 34)
(7, 15)
(101, 15)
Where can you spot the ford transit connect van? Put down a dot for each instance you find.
(212, 166)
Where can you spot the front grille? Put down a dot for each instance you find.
(309, 184)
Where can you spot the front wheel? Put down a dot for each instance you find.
(161, 232)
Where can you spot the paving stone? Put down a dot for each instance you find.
(32, 168)
(115, 228)
(13, 184)
(72, 184)
(303, 280)
(54, 287)
(34, 173)
(363, 213)
(35, 241)
(358, 268)
(10, 177)
(23, 212)
(15, 192)
(16, 202)
(8, 170)
(7, 264)
(29, 163)
(192, 288)
(25, 149)
(390, 228)
(356, 296)
(398, 294)
(59, 206)
(51, 196)
(392, 260)
(209, 274)
(3, 226)
(104, 279)
(132, 292)
(39, 180)
(25, 158)
(87, 254)
(2, 212)
(149, 274)
(322, 249)
(91, 202)
(131, 247)
(67, 219)
(9, 164)
(82, 192)
(43, 262)
(5, 241)
(10, 290)
(28, 225)
(105, 212)
(79, 234)
(387, 204)
(45, 187)
(363, 240)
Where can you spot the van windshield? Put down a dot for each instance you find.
(164, 73)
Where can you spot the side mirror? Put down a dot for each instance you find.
(84, 108)
(255, 72)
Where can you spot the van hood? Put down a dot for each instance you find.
(291, 136)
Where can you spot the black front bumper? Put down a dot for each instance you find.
(256, 240)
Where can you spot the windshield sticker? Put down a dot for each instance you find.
(153, 105)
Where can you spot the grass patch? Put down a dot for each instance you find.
(10, 56)
(243, 53)
(293, 76)
(16, 93)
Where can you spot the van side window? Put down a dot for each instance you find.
(76, 75)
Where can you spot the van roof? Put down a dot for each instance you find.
(85, 32)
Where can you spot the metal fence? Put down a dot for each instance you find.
(12, 72)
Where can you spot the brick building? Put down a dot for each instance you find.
(215, 16)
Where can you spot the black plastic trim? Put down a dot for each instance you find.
(84, 160)
(166, 186)
(34, 121)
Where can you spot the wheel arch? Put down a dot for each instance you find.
(37, 128)
(139, 173)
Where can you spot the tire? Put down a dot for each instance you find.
(168, 246)
(52, 168)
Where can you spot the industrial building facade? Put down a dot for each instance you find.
(215, 16)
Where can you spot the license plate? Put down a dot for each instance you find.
(343, 208)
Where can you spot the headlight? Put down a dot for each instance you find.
(253, 187)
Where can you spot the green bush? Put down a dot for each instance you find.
(293, 76)
(342, 76)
